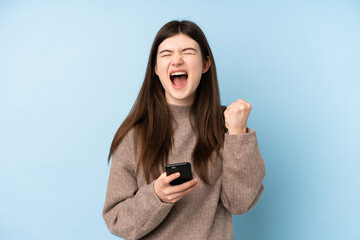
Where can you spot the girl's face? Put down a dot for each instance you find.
(179, 66)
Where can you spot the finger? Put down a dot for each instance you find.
(190, 189)
(160, 180)
(163, 175)
(174, 199)
(241, 100)
(240, 106)
(244, 102)
(233, 108)
(171, 177)
(179, 195)
(233, 105)
(182, 187)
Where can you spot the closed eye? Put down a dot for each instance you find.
(189, 51)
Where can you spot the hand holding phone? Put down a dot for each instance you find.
(184, 168)
(173, 193)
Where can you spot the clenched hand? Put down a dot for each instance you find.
(236, 116)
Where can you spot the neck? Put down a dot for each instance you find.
(180, 102)
(178, 111)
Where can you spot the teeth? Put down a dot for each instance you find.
(178, 73)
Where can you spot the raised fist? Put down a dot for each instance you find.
(236, 116)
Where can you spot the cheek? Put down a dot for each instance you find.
(161, 68)
(196, 67)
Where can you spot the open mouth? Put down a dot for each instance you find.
(179, 79)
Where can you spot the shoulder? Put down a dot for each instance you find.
(127, 144)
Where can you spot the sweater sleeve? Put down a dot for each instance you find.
(130, 212)
(243, 172)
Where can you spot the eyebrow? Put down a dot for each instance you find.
(185, 49)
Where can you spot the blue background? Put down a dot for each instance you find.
(71, 70)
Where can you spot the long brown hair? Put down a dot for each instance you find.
(150, 110)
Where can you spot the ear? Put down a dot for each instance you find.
(156, 70)
(207, 65)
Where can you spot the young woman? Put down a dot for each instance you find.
(177, 117)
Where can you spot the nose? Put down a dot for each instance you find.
(177, 60)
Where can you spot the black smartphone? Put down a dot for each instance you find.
(184, 168)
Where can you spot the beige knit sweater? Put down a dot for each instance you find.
(133, 210)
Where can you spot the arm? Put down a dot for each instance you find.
(130, 212)
(243, 172)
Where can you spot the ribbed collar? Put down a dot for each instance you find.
(179, 111)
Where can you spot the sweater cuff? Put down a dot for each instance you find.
(241, 138)
(154, 201)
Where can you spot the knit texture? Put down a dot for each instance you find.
(133, 210)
